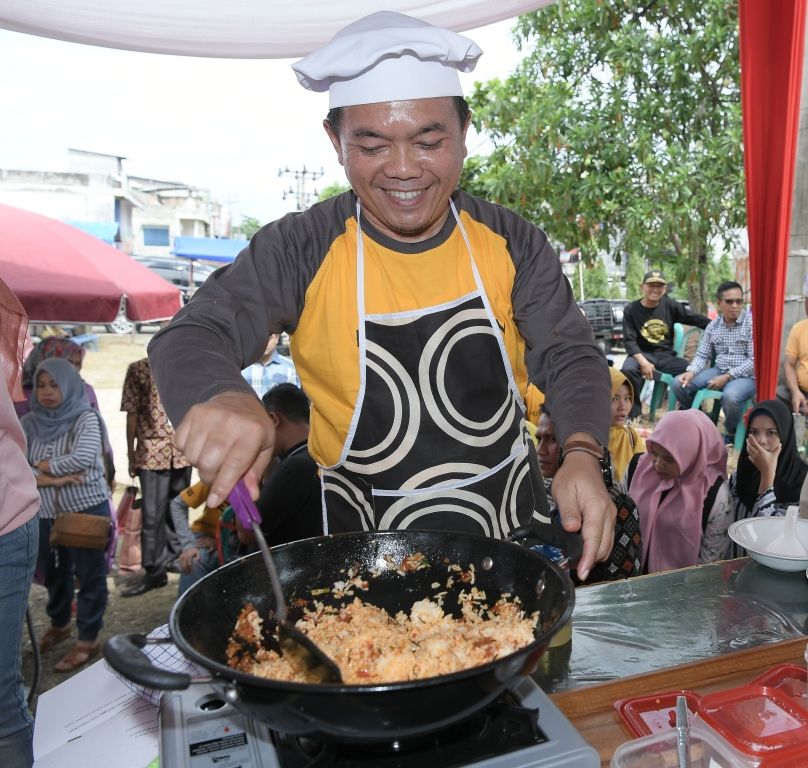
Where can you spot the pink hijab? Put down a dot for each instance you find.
(671, 528)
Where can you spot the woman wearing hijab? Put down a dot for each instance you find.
(50, 347)
(624, 441)
(64, 450)
(770, 471)
(680, 487)
(57, 347)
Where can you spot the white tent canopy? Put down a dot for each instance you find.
(241, 29)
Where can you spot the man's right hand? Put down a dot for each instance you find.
(685, 378)
(227, 438)
(647, 368)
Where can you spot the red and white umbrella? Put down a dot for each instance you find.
(63, 275)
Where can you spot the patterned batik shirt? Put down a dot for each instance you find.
(154, 435)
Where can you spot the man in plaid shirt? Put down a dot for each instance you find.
(272, 369)
(725, 359)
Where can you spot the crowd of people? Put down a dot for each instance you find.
(677, 476)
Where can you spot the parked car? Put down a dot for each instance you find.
(177, 271)
(606, 318)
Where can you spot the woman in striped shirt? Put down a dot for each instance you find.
(64, 450)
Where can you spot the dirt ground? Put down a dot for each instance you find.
(104, 368)
(123, 615)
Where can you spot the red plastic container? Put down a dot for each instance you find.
(761, 721)
(652, 714)
(788, 678)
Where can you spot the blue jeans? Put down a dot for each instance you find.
(61, 565)
(733, 396)
(17, 560)
(207, 562)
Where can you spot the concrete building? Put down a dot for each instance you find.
(143, 216)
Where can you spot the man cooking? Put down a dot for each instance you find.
(417, 315)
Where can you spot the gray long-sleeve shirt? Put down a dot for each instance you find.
(266, 290)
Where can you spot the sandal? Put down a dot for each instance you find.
(54, 636)
(78, 655)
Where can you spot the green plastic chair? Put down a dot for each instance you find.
(665, 380)
(740, 432)
(715, 394)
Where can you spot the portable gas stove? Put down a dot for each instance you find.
(522, 729)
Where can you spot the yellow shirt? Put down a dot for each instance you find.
(797, 347)
(394, 282)
(208, 521)
(534, 400)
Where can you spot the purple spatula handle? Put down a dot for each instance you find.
(243, 505)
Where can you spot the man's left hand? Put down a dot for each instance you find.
(584, 504)
(718, 382)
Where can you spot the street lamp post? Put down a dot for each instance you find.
(303, 198)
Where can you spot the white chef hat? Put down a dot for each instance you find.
(388, 57)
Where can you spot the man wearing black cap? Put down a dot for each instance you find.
(417, 315)
(648, 335)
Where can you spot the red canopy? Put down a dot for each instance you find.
(63, 275)
(772, 38)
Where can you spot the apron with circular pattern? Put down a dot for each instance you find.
(437, 438)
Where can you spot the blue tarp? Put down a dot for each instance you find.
(103, 230)
(208, 248)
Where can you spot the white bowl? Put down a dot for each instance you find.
(756, 533)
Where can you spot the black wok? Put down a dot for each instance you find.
(204, 617)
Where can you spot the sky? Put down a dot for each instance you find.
(225, 125)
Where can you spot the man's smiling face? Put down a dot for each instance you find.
(403, 160)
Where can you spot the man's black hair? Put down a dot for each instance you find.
(288, 399)
(334, 116)
(727, 285)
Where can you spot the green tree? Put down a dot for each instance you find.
(331, 190)
(596, 282)
(620, 132)
(248, 226)
(721, 271)
(635, 270)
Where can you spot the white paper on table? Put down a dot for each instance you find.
(92, 710)
(126, 740)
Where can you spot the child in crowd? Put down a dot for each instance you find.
(770, 471)
(208, 542)
(624, 441)
(681, 490)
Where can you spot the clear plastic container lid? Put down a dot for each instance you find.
(658, 750)
(758, 720)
